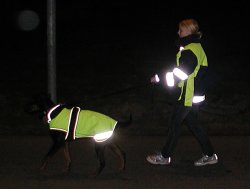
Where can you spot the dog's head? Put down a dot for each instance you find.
(39, 105)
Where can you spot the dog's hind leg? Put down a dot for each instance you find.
(67, 156)
(99, 149)
(120, 153)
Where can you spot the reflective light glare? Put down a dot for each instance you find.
(181, 48)
(157, 79)
(101, 137)
(197, 99)
(180, 74)
(50, 111)
(170, 79)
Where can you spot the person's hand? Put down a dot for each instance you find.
(155, 79)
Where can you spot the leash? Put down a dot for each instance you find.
(116, 92)
(152, 100)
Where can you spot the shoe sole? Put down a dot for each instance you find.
(156, 163)
(208, 163)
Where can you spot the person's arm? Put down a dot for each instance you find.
(188, 62)
(187, 65)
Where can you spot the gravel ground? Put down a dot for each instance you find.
(21, 156)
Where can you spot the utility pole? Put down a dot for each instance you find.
(51, 48)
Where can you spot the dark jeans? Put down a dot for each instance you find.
(190, 115)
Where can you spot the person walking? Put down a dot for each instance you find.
(188, 75)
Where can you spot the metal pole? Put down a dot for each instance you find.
(51, 48)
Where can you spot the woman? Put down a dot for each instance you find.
(188, 75)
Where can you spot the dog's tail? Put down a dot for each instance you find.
(125, 123)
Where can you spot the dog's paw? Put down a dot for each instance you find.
(93, 174)
(67, 168)
(42, 168)
(121, 168)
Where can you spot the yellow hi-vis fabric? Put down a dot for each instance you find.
(89, 123)
(197, 49)
(61, 121)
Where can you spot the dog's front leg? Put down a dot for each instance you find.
(67, 157)
(44, 163)
(54, 148)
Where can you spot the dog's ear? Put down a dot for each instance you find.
(44, 98)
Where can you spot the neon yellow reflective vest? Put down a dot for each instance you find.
(188, 94)
(89, 123)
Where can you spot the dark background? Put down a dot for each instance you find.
(106, 53)
(105, 47)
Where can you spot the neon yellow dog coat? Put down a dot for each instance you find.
(82, 123)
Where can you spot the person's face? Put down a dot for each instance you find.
(183, 32)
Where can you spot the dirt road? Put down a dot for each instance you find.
(21, 155)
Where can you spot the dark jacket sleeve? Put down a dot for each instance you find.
(187, 61)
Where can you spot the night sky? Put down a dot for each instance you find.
(122, 22)
(94, 37)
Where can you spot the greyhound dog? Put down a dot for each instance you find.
(69, 123)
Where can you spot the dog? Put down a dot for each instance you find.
(70, 123)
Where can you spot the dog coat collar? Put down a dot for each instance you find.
(50, 111)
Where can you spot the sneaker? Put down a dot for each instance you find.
(205, 160)
(158, 159)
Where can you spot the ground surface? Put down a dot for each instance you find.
(21, 155)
